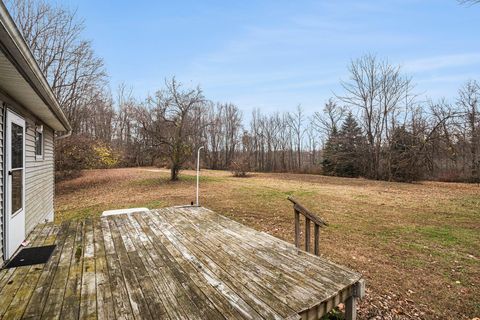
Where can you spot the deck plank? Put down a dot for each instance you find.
(171, 263)
(105, 307)
(63, 295)
(142, 276)
(7, 273)
(205, 270)
(88, 301)
(282, 286)
(15, 287)
(197, 301)
(174, 282)
(266, 257)
(136, 297)
(220, 301)
(154, 267)
(39, 296)
(276, 247)
(257, 296)
(22, 296)
(70, 304)
(121, 299)
(322, 277)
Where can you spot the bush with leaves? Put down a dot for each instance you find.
(80, 152)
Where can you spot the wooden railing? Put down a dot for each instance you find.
(309, 217)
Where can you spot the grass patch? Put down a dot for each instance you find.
(268, 193)
(154, 204)
(78, 213)
(203, 178)
(446, 236)
(165, 181)
(470, 202)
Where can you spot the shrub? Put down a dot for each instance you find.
(77, 153)
(240, 166)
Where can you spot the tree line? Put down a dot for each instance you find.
(376, 126)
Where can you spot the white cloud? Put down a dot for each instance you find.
(442, 62)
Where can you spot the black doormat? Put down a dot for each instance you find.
(30, 256)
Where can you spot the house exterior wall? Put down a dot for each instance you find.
(39, 178)
(39, 173)
(2, 169)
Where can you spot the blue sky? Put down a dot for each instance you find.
(276, 54)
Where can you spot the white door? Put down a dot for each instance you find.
(15, 183)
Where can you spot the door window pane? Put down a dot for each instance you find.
(17, 146)
(17, 188)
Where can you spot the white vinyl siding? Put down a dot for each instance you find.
(39, 175)
(39, 178)
(1, 181)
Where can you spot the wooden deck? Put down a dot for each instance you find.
(172, 263)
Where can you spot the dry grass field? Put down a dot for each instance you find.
(418, 245)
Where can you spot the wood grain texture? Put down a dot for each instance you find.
(309, 217)
(173, 263)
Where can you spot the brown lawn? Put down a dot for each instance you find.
(418, 245)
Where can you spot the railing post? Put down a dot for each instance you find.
(309, 217)
(297, 228)
(316, 236)
(358, 292)
(307, 234)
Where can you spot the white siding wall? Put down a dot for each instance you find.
(39, 174)
(39, 178)
(1, 182)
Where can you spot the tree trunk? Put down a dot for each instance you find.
(174, 172)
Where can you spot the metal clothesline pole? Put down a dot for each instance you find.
(198, 171)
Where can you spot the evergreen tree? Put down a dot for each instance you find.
(344, 151)
(330, 151)
(350, 154)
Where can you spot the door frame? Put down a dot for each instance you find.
(12, 117)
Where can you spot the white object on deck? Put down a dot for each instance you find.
(123, 211)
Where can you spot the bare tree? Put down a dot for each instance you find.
(468, 101)
(327, 121)
(296, 123)
(232, 120)
(54, 35)
(378, 90)
(169, 119)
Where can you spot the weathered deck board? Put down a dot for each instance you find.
(38, 299)
(88, 300)
(172, 263)
(213, 269)
(232, 265)
(105, 308)
(22, 296)
(155, 305)
(17, 286)
(70, 258)
(185, 259)
(265, 258)
(70, 303)
(120, 298)
(162, 245)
